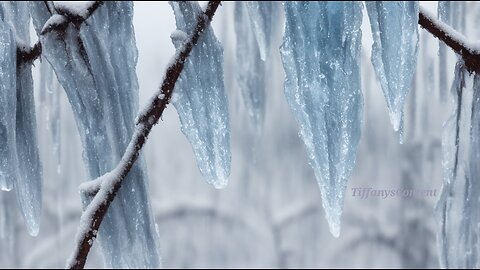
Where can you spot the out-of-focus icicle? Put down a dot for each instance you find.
(200, 99)
(323, 90)
(49, 89)
(457, 210)
(250, 68)
(263, 15)
(95, 64)
(28, 183)
(394, 51)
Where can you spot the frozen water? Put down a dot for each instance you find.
(200, 99)
(96, 67)
(394, 51)
(323, 90)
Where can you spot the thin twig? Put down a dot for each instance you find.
(456, 41)
(96, 210)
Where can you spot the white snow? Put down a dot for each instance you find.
(54, 21)
(79, 8)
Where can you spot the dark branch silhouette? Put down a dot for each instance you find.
(456, 41)
(111, 182)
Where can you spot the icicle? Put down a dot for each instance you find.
(250, 71)
(394, 51)
(49, 89)
(28, 181)
(96, 67)
(200, 98)
(323, 90)
(8, 152)
(263, 15)
(457, 210)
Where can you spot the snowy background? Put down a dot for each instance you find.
(270, 214)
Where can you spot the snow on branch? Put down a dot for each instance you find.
(69, 12)
(63, 13)
(25, 54)
(109, 184)
(456, 41)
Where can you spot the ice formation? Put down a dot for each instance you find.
(95, 64)
(200, 98)
(394, 52)
(323, 89)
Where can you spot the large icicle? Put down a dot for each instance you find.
(264, 16)
(394, 52)
(457, 210)
(8, 152)
(321, 58)
(250, 68)
(28, 182)
(95, 64)
(199, 97)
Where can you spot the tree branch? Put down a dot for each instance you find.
(456, 41)
(111, 182)
(29, 55)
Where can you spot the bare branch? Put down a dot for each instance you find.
(111, 182)
(456, 41)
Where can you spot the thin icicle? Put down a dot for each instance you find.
(264, 15)
(394, 51)
(250, 72)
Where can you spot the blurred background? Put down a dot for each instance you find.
(270, 214)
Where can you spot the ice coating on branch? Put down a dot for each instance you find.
(96, 67)
(323, 90)
(263, 15)
(394, 51)
(200, 98)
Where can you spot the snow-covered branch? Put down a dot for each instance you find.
(456, 41)
(25, 54)
(110, 183)
(62, 13)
